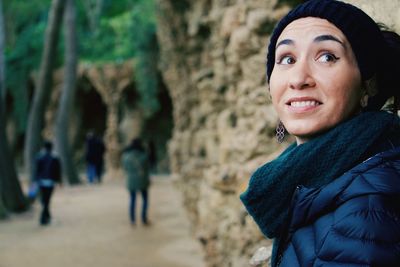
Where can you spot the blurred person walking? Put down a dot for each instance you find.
(135, 162)
(94, 157)
(48, 173)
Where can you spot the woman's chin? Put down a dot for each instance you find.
(303, 136)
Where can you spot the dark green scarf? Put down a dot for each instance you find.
(312, 164)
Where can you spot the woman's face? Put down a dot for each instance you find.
(315, 83)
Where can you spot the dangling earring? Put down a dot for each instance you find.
(364, 101)
(280, 132)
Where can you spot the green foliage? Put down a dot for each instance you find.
(125, 29)
(114, 9)
(19, 14)
(25, 23)
(111, 41)
(146, 54)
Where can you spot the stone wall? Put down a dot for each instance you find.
(213, 63)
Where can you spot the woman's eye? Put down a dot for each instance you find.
(286, 60)
(328, 57)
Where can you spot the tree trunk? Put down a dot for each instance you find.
(11, 195)
(42, 92)
(2, 61)
(67, 95)
(10, 188)
(3, 211)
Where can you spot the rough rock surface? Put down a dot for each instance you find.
(213, 62)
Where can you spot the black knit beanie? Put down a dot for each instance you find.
(361, 31)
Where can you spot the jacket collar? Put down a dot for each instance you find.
(379, 174)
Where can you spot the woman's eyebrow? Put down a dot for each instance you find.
(320, 38)
(327, 37)
(285, 42)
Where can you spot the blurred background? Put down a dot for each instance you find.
(188, 77)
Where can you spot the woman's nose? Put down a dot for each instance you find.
(301, 76)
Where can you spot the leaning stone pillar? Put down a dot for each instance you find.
(110, 80)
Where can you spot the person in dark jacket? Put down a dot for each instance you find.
(94, 158)
(48, 173)
(332, 197)
(136, 165)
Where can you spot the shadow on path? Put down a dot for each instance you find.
(90, 227)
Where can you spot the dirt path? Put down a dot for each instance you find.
(90, 227)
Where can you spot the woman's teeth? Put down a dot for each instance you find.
(301, 104)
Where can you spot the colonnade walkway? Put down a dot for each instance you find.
(90, 227)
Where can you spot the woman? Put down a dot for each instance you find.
(332, 198)
(136, 165)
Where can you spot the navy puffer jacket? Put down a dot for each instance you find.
(353, 221)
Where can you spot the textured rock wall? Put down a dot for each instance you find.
(213, 62)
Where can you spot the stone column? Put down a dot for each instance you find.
(110, 80)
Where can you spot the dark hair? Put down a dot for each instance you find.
(136, 144)
(48, 145)
(388, 73)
